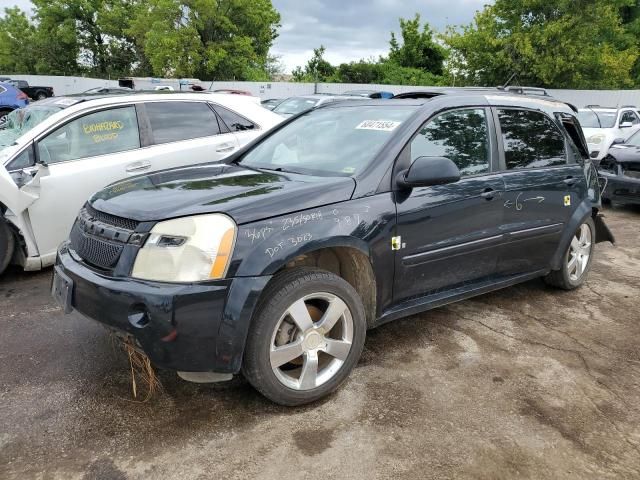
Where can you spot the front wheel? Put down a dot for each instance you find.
(7, 244)
(306, 336)
(577, 259)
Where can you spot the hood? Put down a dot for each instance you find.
(588, 132)
(625, 153)
(244, 194)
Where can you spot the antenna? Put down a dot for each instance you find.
(506, 84)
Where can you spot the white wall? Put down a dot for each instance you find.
(68, 85)
(63, 85)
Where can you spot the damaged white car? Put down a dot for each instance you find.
(56, 153)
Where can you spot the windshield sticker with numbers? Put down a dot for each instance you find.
(382, 125)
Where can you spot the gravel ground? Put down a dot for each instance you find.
(528, 382)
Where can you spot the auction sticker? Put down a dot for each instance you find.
(382, 125)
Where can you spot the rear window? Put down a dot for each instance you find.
(176, 121)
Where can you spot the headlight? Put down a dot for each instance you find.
(189, 249)
(595, 139)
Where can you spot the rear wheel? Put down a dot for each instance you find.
(7, 244)
(41, 96)
(577, 259)
(306, 336)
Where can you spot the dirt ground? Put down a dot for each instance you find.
(528, 382)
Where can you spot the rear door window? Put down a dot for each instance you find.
(461, 135)
(531, 139)
(235, 122)
(176, 121)
(100, 133)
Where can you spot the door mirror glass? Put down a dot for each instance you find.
(618, 141)
(626, 125)
(428, 171)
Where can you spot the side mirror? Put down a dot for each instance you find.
(428, 171)
(626, 125)
(618, 141)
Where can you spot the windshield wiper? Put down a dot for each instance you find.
(280, 169)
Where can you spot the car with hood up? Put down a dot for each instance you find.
(620, 170)
(602, 125)
(275, 261)
(55, 153)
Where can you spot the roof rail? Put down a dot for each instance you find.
(526, 90)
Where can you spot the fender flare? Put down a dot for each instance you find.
(581, 213)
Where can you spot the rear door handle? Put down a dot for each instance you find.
(488, 193)
(138, 166)
(570, 180)
(225, 148)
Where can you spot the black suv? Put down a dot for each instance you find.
(277, 261)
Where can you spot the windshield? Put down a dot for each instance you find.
(597, 118)
(22, 120)
(634, 140)
(293, 106)
(329, 142)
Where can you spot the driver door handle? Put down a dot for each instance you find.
(488, 193)
(138, 166)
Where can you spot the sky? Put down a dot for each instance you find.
(349, 29)
(355, 29)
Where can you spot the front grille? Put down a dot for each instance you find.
(94, 251)
(98, 238)
(109, 219)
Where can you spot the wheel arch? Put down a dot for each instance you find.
(582, 212)
(349, 260)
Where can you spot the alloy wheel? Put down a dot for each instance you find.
(579, 252)
(311, 341)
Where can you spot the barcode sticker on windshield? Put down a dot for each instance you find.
(383, 125)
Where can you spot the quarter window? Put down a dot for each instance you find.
(99, 133)
(461, 135)
(234, 121)
(175, 121)
(531, 140)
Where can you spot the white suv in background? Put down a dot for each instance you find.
(602, 125)
(56, 153)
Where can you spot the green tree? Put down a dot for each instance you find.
(418, 49)
(208, 39)
(88, 36)
(16, 42)
(317, 68)
(561, 44)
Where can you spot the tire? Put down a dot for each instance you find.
(41, 96)
(7, 245)
(280, 355)
(572, 275)
(3, 114)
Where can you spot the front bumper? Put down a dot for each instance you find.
(186, 327)
(622, 189)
